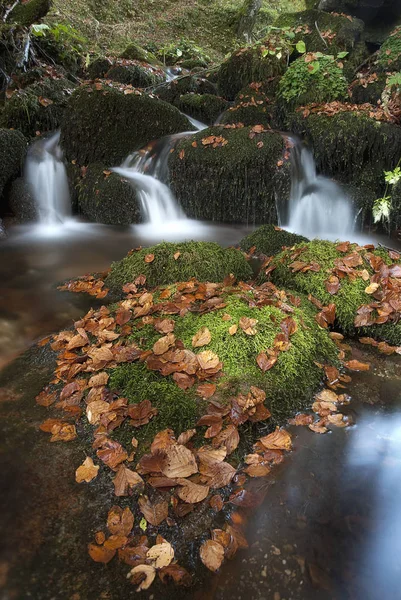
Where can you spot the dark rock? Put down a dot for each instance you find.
(138, 75)
(21, 202)
(172, 91)
(204, 107)
(30, 12)
(13, 148)
(135, 52)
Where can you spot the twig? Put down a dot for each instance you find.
(320, 35)
(10, 10)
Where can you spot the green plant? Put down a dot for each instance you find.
(381, 209)
(182, 49)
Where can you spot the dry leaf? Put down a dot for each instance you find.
(212, 555)
(356, 365)
(127, 481)
(180, 462)
(87, 471)
(149, 258)
(278, 440)
(119, 521)
(142, 574)
(192, 492)
(201, 338)
(161, 555)
(100, 553)
(155, 513)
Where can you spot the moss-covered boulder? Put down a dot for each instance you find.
(312, 80)
(204, 107)
(139, 75)
(253, 105)
(105, 125)
(206, 261)
(98, 67)
(135, 52)
(334, 139)
(389, 55)
(38, 107)
(105, 197)
(30, 12)
(395, 212)
(321, 31)
(192, 84)
(367, 87)
(21, 202)
(362, 284)
(13, 148)
(260, 62)
(270, 240)
(232, 175)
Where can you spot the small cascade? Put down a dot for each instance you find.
(46, 176)
(147, 170)
(318, 206)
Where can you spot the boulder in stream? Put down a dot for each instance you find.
(231, 174)
(13, 148)
(203, 107)
(253, 105)
(104, 124)
(21, 202)
(270, 240)
(137, 74)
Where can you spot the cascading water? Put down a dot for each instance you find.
(46, 176)
(318, 206)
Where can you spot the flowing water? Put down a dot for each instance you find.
(318, 206)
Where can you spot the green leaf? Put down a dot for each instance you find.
(301, 47)
(179, 52)
(39, 29)
(316, 66)
(342, 54)
(143, 524)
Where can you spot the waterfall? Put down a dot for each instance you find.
(147, 171)
(318, 206)
(46, 176)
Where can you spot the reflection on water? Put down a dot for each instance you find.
(34, 259)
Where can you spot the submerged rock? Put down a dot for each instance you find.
(13, 148)
(270, 240)
(232, 175)
(105, 125)
(260, 62)
(105, 197)
(38, 107)
(356, 280)
(206, 261)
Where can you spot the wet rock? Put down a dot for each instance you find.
(368, 10)
(38, 107)
(172, 91)
(138, 75)
(105, 197)
(98, 68)
(203, 107)
(269, 240)
(13, 147)
(253, 106)
(237, 181)
(105, 125)
(21, 202)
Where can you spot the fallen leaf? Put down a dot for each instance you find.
(46, 397)
(356, 365)
(149, 258)
(119, 521)
(161, 555)
(175, 572)
(206, 390)
(180, 462)
(163, 344)
(127, 481)
(164, 325)
(100, 553)
(63, 433)
(212, 555)
(233, 329)
(301, 420)
(201, 338)
(192, 492)
(154, 513)
(112, 453)
(278, 440)
(87, 471)
(372, 288)
(142, 574)
(141, 413)
(208, 360)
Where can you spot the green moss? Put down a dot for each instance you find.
(13, 147)
(204, 107)
(105, 197)
(30, 12)
(237, 182)
(300, 86)
(137, 75)
(338, 31)
(98, 68)
(206, 261)
(260, 62)
(269, 241)
(172, 91)
(351, 294)
(135, 52)
(25, 111)
(368, 88)
(389, 55)
(105, 125)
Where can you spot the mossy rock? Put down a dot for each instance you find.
(389, 55)
(259, 62)
(193, 63)
(21, 202)
(395, 213)
(299, 86)
(173, 90)
(138, 75)
(98, 68)
(67, 50)
(30, 12)
(253, 106)
(204, 107)
(334, 139)
(135, 52)
(105, 125)
(206, 261)
(238, 181)
(38, 107)
(106, 197)
(13, 148)
(321, 31)
(351, 294)
(288, 386)
(368, 88)
(270, 240)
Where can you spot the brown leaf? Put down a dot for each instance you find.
(208, 360)
(356, 365)
(112, 453)
(318, 427)
(214, 424)
(206, 390)
(248, 325)
(95, 410)
(160, 555)
(164, 325)
(163, 344)
(114, 542)
(141, 413)
(119, 521)
(175, 572)
(87, 471)
(142, 574)
(183, 380)
(155, 513)
(201, 338)
(218, 474)
(233, 329)
(180, 462)
(185, 436)
(278, 440)
(100, 553)
(265, 362)
(45, 101)
(301, 420)
(98, 380)
(372, 288)
(216, 502)
(63, 433)
(228, 438)
(343, 247)
(163, 440)
(46, 397)
(332, 284)
(127, 481)
(123, 315)
(212, 555)
(192, 492)
(149, 258)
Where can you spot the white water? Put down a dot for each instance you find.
(318, 206)
(46, 177)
